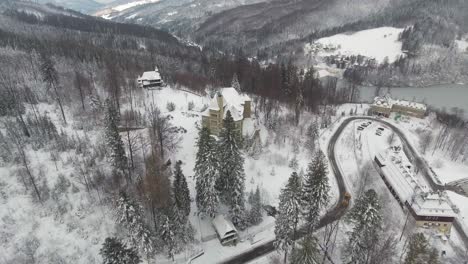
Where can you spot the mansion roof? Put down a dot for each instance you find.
(231, 101)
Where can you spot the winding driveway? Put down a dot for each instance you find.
(338, 210)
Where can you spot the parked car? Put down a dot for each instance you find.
(360, 128)
(380, 128)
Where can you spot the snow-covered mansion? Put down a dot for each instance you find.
(228, 99)
(150, 79)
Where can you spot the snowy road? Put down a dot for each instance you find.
(338, 211)
(414, 156)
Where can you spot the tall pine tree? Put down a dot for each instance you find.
(255, 214)
(115, 252)
(235, 83)
(113, 139)
(231, 181)
(181, 191)
(419, 251)
(50, 76)
(168, 235)
(366, 220)
(311, 137)
(288, 214)
(206, 173)
(130, 215)
(315, 191)
(307, 252)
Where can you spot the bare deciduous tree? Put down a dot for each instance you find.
(17, 140)
(164, 136)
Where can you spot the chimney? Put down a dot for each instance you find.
(247, 109)
(220, 105)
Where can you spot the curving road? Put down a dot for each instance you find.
(334, 214)
(338, 211)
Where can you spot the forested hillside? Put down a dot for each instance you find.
(181, 17)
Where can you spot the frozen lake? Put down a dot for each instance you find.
(438, 96)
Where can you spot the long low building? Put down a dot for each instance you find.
(385, 105)
(430, 210)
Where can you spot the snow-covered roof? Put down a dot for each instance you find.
(324, 73)
(410, 104)
(433, 204)
(382, 102)
(232, 101)
(388, 102)
(401, 177)
(409, 189)
(223, 226)
(150, 75)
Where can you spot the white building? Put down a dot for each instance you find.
(430, 210)
(225, 230)
(150, 79)
(384, 105)
(227, 99)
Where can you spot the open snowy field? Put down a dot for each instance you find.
(376, 43)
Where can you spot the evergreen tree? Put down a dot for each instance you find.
(130, 215)
(288, 214)
(206, 173)
(255, 214)
(181, 191)
(294, 163)
(255, 147)
(311, 137)
(230, 183)
(307, 253)
(50, 76)
(115, 252)
(366, 220)
(315, 191)
(433, 257)
(168, 235)
(419, 251)
(235, 83)
(298, 104)
(113, 139)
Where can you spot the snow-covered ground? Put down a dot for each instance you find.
(67, 228)
(462, 44)
(445, 169)
(80, 231)
(355, 151)
(123, 7)
(270, 171)
(376, 43)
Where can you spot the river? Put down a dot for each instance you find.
(438, 96)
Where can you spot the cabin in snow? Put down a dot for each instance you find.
(228, 99)
(150, 79)
(225, 230)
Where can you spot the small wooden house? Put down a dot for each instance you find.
(225, 230)
(150, 79)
